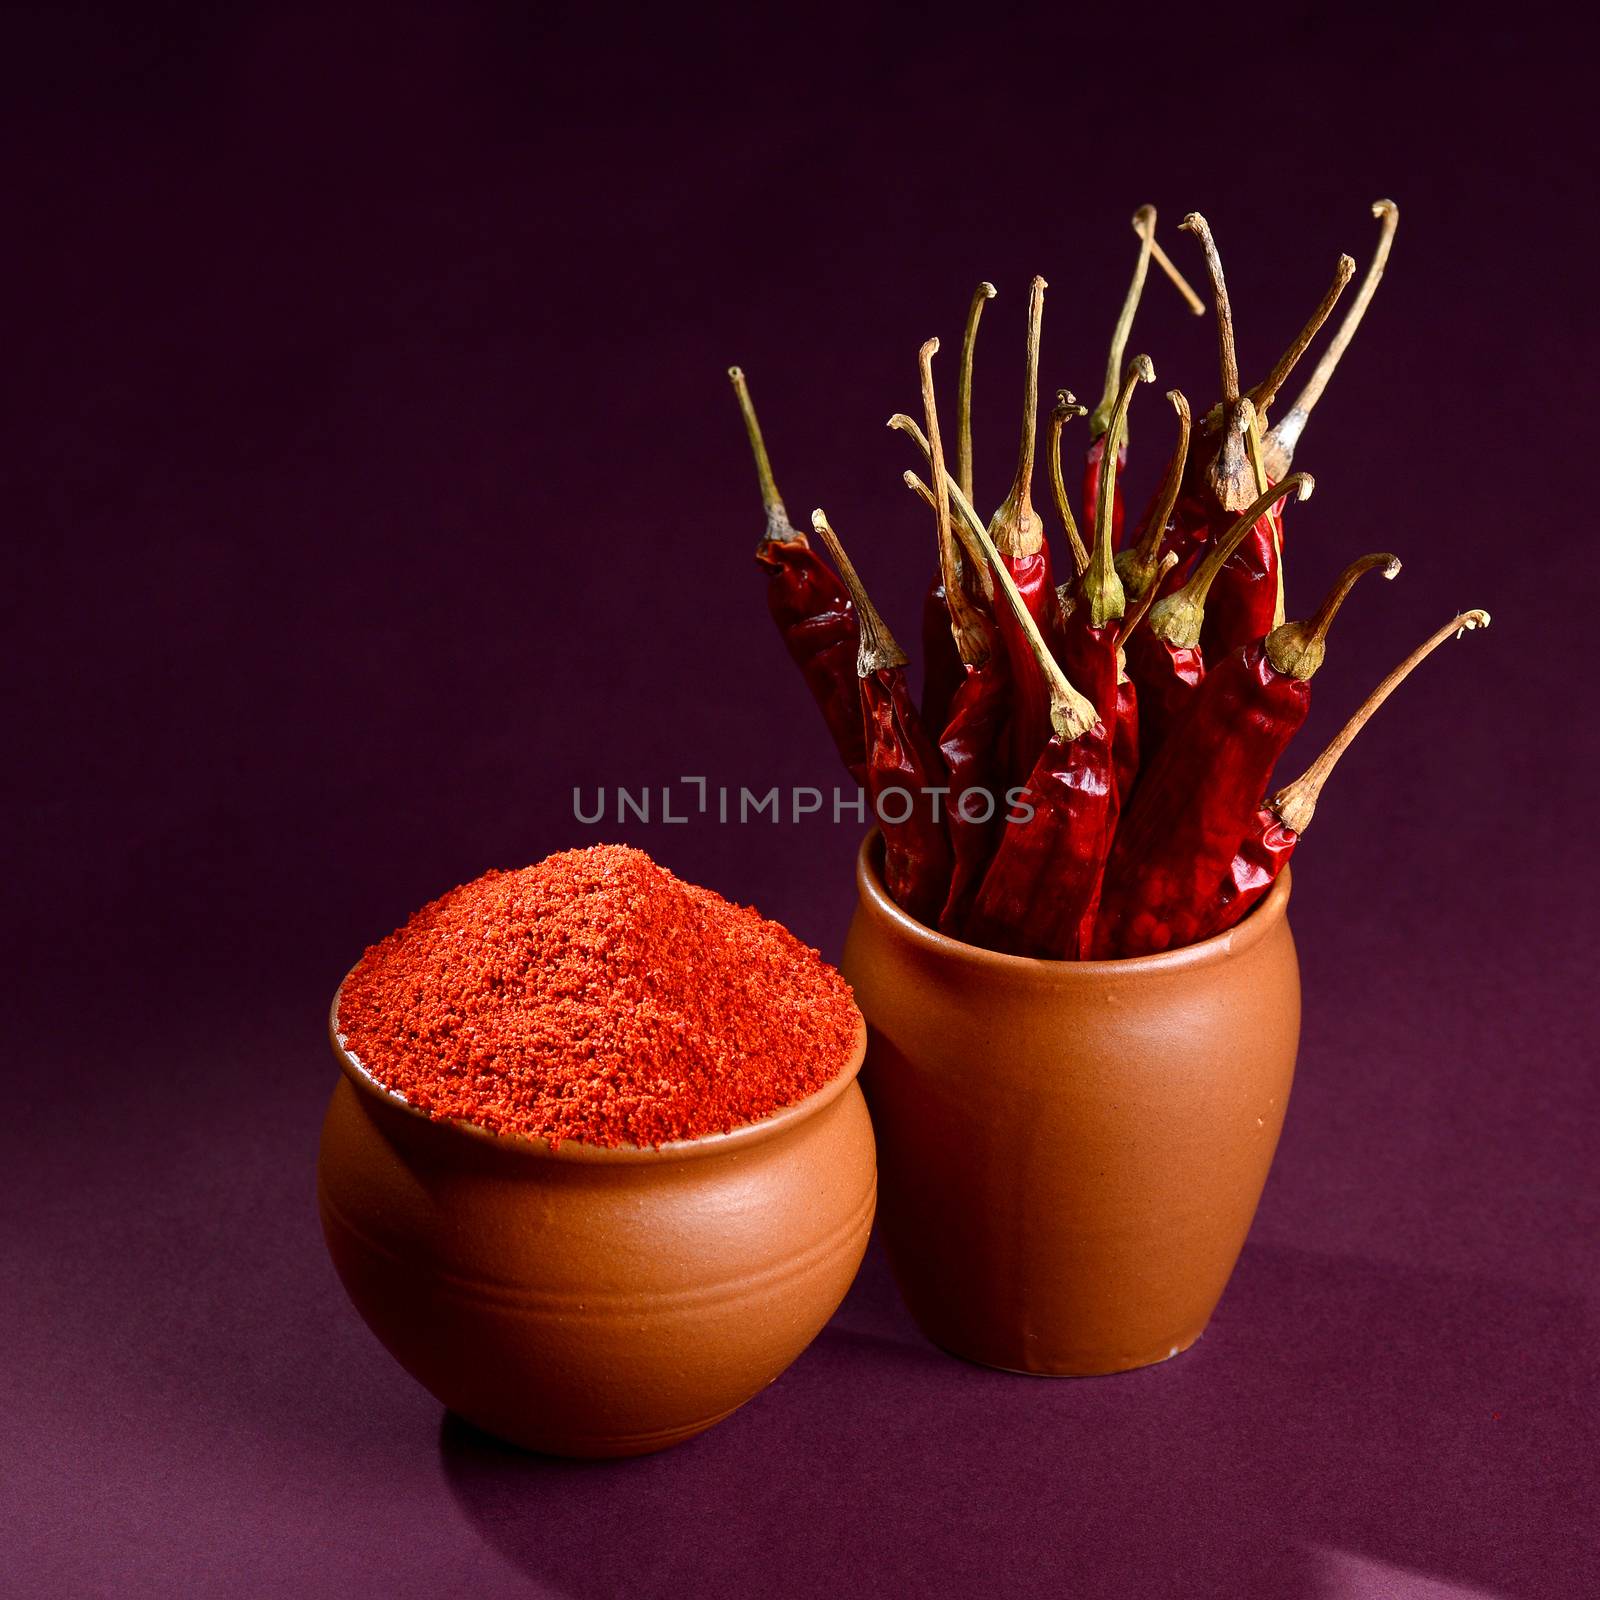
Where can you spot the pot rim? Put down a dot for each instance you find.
(575, 1150)
(1257, 923)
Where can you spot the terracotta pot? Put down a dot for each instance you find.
(1071, 1152)
(586, 1301)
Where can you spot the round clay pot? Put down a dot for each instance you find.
(586, 1301)
(1071, 1151)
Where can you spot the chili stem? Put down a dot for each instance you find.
(1196, 305)
(963, 530)
(1144, 224)
(1016, 527)
(1266, 391)
(1178, 618)
(1285, 435)
(1296, 803)
(1296, 649)
(1071, 714)
(971, 642)
(1227, 355)
(1136, 566)
(878, 651)
(1227, 471)
(1064, 410)
(779, 528)
(1102, 587)
(1250, 420)
(1145, 600)
(984, 293)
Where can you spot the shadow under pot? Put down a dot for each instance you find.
(1070, 1152)
(591, 1301)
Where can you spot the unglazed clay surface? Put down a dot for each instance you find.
(1071, 1152)
(586, 1301)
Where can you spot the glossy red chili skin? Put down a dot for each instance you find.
(1197, 519)
(1042, 888)
(1165, 677)
(1094, 460)
(1195, 803)
(900, 756)
(817, 621)
(1194, 518)
(1243, 600)
(1262, 855)
(1089, 659)
(1030, 701)
(973, 749)
(942, 669)
(1125, 740)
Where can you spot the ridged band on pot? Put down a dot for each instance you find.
(592, 1301)
(1070, 1152)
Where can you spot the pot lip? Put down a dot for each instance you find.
(575, 1150)
(1258, 922)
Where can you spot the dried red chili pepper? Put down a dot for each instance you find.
(1217, 491)
(1277, 827)
(1040, 894)
(813, 612)
(1068, 794)
(1017, 532)
(970, 741)
(1205, 784)
(901, 759)
(1247, 597)
(1088, 635)
(942, 667)
(1125, 735)
(1284, 435)
(1246, 600)
(1165, 660)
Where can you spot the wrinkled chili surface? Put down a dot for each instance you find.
(596, 997)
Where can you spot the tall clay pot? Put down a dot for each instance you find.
(1070, 1153)
(587, 1301)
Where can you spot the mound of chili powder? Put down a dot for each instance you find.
(597, 997)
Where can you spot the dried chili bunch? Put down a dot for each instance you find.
(1164, 658)
(1206, 782)
(1057, 840)
(1104, 744)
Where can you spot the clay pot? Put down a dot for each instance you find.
(586, 1301)
(1071, 1152)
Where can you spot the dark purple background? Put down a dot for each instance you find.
(370, 479)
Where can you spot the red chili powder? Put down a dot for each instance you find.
(597, 997)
